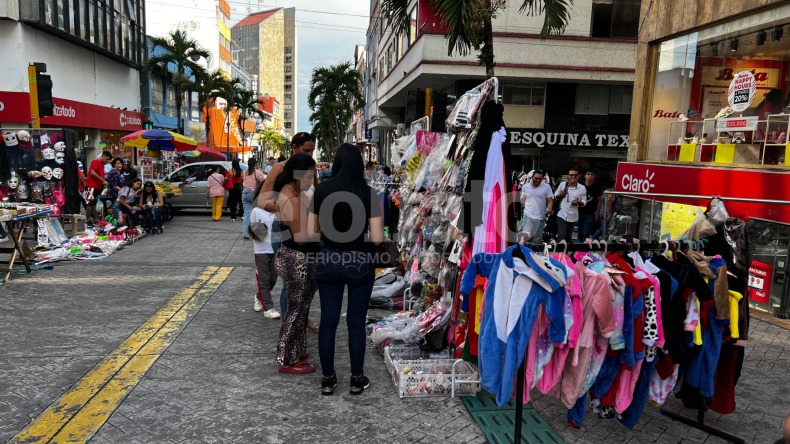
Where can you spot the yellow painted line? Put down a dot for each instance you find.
(80, 412)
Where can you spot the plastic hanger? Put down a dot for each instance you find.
(565, 245)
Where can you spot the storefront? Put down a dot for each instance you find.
(556, 151)
(711, 116)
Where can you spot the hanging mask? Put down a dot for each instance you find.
(9, 137)
(57, 173)
(23, 136)
(22, 191)
(47, 173)
(60, 147)
(36, 193)
(48, 153)
(60, 158)
(13, 182)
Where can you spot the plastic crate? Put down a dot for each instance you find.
(403, 352)
(434, 377)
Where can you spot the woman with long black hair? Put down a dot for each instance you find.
(295, 261)
(234, 194)
(344, 210)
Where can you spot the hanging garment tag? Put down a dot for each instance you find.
(455, 254)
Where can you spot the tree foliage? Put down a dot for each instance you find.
(335, 94)
(179, 55)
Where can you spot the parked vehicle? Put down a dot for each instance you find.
(192, 179)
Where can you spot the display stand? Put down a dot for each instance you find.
(16, 237)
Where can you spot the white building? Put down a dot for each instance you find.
(578, 83)
(93, 56)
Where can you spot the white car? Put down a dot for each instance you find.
(192, 179)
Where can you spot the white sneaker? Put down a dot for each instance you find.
(258, 306)
(272, 314)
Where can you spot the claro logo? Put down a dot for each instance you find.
(63, 111)
(130, 120)
(637, 185)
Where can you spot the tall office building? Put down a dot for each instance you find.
(264, 38)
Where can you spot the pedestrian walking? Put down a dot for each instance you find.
(93, 186)
(301, 142)
(215, 190)
(571, 195)
(250, 181)
(295, 261)
(346, 261)
(591, 211)
(233, 176)
(260, 230)
(538, 201)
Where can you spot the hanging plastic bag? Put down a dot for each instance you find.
(718, 214)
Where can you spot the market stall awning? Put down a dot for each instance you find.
(203, 151)
(157, 139)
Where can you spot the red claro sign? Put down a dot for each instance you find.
(760, 279)
(703, 181)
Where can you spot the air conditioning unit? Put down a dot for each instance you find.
(400, 129)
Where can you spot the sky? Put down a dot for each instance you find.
(327, 32)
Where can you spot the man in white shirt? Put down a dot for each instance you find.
(538, 201)
(571, 195)
(268, 168)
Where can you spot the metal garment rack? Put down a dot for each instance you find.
(625, 247)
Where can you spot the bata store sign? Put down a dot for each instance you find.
(696, 181)
(69, 113)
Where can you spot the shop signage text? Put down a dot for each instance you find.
(760, 279)
(727, 75)
(538, 138)
(661, 114)
(86, 115)
(742, 91)
(749, 185)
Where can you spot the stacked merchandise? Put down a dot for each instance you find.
(436, 225)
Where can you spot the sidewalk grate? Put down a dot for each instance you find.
(497, 424)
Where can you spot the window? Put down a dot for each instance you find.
(393, 53)
(404, 41)
(399, 42)
(413, 26)
(157, 95)
(525, 94)
(287, 116)
(288, 49)
(620, 98)
(289, 59)
(288, 97)
(287, 125)
(288, 107)
(615, 19)
(289, 78)
(171, 100)
(276, 108)
(288, 87)
(287, 69)
(592, 100)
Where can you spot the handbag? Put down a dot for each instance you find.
(228, 184)
(387, 255)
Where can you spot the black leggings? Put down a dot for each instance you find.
(234, 202)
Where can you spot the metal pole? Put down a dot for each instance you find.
(652, 211)
(603, 220)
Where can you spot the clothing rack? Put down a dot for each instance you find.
(605, 247)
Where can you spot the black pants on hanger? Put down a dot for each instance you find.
(564, 230)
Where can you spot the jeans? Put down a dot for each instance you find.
(246, 201)
(266, 276)
(534, 227)
(586, 223)
(335, 271)
(154, 216)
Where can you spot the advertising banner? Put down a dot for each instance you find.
(760, 278)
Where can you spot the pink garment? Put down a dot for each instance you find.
(250, 181)
(496, 222)
(532, 352)
(597, 315)
(215, 185)
(692, 314)
(661, 388)
(617, 341)
(574, 289)
(625, 391)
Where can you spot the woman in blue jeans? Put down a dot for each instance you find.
(250, 179)
(344, 210)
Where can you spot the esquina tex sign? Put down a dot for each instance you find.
(540, 138)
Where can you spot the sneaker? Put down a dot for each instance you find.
(359, 384)
(271, 313)
(233, 219)
(328, 384)
(258, 306)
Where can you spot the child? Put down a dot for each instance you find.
(260, 230)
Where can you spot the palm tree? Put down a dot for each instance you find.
(206, 84)
(469, 22)
(334, 97)
(248, 102)
(180, 53)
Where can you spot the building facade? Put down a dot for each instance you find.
(93, 52)
(710, 117)
(264, 38)
(555, 91)
(356, 130)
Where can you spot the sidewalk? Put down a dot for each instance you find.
(214, 377)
